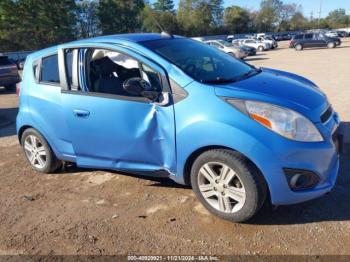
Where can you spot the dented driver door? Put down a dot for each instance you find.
(117, 131)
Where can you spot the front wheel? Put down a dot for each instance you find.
(38, 152)
(228, 185)
(261, 48)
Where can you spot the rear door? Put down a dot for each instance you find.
(309, 40)
(109, 130)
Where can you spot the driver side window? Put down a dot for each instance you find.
(107, 71)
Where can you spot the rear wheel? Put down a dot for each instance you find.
(38, 152)
(331, 45)
(10, 87)
(299, 47)
(228, 185)
(260, 48)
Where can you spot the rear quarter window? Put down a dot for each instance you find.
(49, 70)
(298, 37)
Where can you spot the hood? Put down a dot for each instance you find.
(280, 88)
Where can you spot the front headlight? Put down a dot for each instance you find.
(283, 121)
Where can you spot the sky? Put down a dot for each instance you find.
(308, 5)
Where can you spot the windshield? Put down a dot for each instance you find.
(200, 61)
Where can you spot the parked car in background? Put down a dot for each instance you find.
(269, 40)
(228, 48)
(277, 37)
(332, 34)
(170, 106)
(342, 34)
(282, 36)
(9, 76)
(301, 41)
(251, 51)
(258, 45)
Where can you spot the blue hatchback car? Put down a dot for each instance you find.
(166, 105)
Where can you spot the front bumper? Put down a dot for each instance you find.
(321, 158)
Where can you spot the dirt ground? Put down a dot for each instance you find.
(80, 211)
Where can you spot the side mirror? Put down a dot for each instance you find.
(139, 87)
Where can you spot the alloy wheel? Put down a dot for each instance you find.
(221, 187)
(35, 151)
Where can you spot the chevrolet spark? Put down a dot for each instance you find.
(164, 105)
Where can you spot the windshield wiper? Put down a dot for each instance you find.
(252, 72)
(219, 80)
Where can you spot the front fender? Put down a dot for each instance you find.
(210, 134)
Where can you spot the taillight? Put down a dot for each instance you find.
(18, 88)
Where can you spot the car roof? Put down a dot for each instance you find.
(134, 37)
(118, 38)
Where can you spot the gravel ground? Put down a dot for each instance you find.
(80, 211)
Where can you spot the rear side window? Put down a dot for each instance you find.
(49, 70)
(309, 36)
(4, 61)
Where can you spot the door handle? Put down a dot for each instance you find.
(81, 113)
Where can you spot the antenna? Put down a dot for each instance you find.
(320, 12)
(163, 32)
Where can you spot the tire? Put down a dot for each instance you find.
(299, 47)
(246, 185)
(331, 45)
(10, 87)
(44, 159)
(261, 48)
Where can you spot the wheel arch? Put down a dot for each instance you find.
(40, 131)
(21, 131)
(194, 155)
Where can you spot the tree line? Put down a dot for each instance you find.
(35, 24)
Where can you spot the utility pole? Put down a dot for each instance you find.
(319, 14)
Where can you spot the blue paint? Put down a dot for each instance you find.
(143, 136)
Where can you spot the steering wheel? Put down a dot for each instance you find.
(190, 68)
